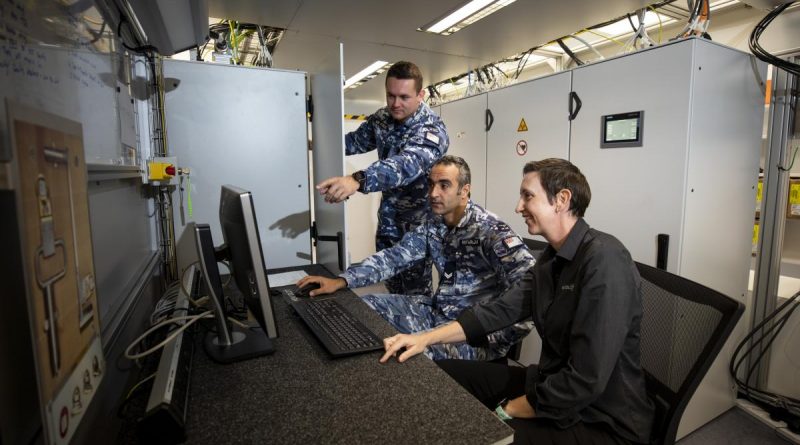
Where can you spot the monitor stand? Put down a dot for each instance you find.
(245, 344)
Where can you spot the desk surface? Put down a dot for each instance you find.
(300, 395)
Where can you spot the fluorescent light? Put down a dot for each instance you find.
(373, 70)
(467, 14)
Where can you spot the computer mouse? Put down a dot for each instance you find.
(302, 292)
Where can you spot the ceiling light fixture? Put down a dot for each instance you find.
(367, 73)
(463, 16)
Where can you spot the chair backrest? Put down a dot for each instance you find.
(684, 326)
(535, 246)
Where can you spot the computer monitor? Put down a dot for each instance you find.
(229, 343)
(242, 248)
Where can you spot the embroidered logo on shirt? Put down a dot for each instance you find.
(512, 241)
(568, 287)
(432, 137)
(470, 242)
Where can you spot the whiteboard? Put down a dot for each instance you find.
(75, 84)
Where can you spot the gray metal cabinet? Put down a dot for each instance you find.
(464, 120)
(529, 123)
(693, 177)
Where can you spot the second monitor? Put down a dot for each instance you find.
(242, 248)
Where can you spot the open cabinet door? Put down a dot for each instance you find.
(327, 127)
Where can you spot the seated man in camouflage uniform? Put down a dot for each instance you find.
(477, 255)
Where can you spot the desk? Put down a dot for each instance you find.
(300, 395)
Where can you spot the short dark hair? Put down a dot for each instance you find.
(464, 175)
(406, 70)
(559, 174)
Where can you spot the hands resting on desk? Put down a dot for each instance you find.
(326, 285)
(409, 345)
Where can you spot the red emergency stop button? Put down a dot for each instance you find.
(170, 170)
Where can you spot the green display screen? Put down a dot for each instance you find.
(622, 130)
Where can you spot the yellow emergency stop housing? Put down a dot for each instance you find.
(158, 171)
(163, 170)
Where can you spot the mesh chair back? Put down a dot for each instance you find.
(684, 326)
(535, 246)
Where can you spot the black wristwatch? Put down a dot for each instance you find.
(361, 178)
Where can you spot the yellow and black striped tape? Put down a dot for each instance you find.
(356, 117)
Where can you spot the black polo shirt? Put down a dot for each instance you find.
(585, 301)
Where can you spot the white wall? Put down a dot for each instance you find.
(362, 210)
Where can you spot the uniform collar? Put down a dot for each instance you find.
(573, 240)
(467, 214)
(465, 219)
(417, 116)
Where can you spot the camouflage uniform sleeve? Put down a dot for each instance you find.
(363, 139)
(426, 146)
(508, 254)
(389, 262)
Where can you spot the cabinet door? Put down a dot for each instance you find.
(328, 157)
(542, 105)
(637, 192)
(270, 159)
(465, 124)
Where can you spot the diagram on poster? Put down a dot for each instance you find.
(50, 181)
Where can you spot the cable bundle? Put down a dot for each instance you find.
(763, 54)
(780, 316)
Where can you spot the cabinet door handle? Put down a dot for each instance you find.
(489, 119)
(575, 105)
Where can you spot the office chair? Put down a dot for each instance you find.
(684, 326)
(535, 246)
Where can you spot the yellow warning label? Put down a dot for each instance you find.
(759, 191)
(755, 234)
(794, 199)
(522, 125)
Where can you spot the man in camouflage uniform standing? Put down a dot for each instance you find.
(477, 255)
(409, 138)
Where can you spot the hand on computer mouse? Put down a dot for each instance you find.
(305, 291)
(322, 285)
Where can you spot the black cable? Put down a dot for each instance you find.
(775, 329)
(779, 327)
(635, 29)
(761, 53)
(569, 52)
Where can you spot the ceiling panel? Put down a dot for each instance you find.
(384, 30)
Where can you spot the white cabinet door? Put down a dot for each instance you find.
(465, 124)
(637, 192)
(542, 105)
(262, 147)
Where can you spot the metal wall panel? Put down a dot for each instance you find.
(246, 127)
(464, 120)
(542, 104)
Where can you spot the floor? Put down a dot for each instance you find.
(735, 427)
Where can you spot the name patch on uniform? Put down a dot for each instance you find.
(432, 137)
(470, 242)
(512, 241)
(568, 287)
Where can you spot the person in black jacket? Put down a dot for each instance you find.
(584, 297)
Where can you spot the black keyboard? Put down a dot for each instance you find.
(337, 329)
